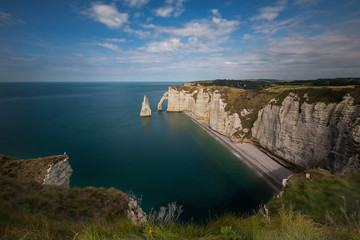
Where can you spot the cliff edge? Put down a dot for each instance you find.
(306, 127)
(32, 184)
(47, 170)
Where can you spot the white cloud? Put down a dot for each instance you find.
(179, 8)
(306, 3)
(247, 36)
(323, 53)
(172, 8)
(266, 21)
(136, 3)
(273, 26)
(118, 40)
(270, 13)
(171, 45)
(106, 14)
(164, 11)
(215, 12)
(109, 46)
(8, 19)
(136, 32)
(202, 29)
(181, 48)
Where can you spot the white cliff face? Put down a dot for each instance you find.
(163, 98)
(210, 108)
(59, 174)
(312, 135)
(145, 108)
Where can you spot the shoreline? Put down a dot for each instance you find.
(265, 167)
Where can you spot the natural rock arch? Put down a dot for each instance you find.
(163, 98)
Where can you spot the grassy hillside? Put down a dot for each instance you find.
(30, 169)
(308, 209)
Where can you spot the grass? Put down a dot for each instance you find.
(322, 195)
(308, 209)
(30, 197)
(30, 169)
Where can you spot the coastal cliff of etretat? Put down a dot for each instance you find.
(304, 140)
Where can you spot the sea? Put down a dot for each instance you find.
(160, 159)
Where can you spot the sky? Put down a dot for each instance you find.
(178, 40)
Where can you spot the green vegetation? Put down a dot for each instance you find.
(322, 207)
(31, 169)
(251, 84)
(323, 196)
(316, 94)
(57, 203)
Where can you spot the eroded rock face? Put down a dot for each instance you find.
(210, 108)
(145, 108)
(163, 98)
(135, 213)
(59, 174)
(312, 135)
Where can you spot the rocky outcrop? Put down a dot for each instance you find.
(311, 135)
(47, 170)
(135, 214)
(210, 108)
(163, 98)
(145, 108)
(59, 174)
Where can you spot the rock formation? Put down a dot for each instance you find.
(59, 174)
(145, 108)
(47, 170)
(164, 97)
(210, 108)
(312, 135)
(308, 135)
(135, 214)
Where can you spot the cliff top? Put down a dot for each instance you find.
(30, 169)
(22, 197)
(260, 83)
(324, 196)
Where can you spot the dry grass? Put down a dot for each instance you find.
(29, 210)
(30, 169)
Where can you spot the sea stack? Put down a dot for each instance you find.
(145, 108)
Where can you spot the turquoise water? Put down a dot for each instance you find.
(164, 158)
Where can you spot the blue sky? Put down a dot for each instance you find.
(178, 40)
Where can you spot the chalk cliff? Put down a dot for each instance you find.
(59, 173)
(312, 135)
(145, 108)
(307, 135)
(47, 170)
(210, 108)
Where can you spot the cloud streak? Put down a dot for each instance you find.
(270, 13)
(172, 8)
(136, 3)
(9, 19)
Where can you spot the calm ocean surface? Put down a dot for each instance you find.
(164, 158)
